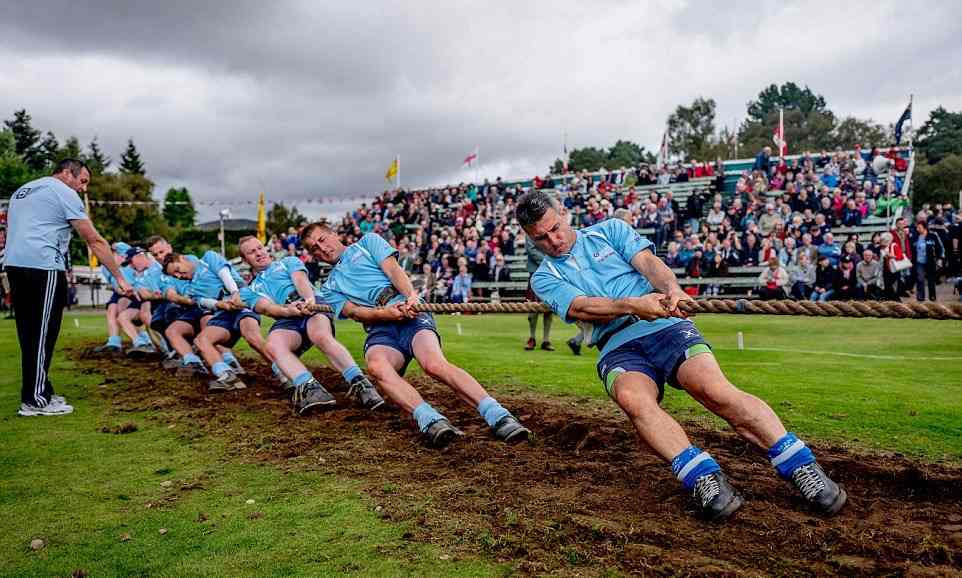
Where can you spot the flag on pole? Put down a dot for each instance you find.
(261, 220)
(779, 135)
(473, 156)
(392, 170)
(90, 254)
(564, 155)
(906, 116)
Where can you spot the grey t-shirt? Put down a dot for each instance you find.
(38, 224)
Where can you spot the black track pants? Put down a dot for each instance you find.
(39, 296)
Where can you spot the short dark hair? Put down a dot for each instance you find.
(73, 165)
(170, 259)
(532, 207)
(311, 227)
(153, 240)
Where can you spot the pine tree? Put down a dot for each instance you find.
(27, 139)
(130, 162)
(50, 149)
(179, 208)
(97, 161)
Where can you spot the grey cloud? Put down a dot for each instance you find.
(314, 99)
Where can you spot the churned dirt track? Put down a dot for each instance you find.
(582, 499)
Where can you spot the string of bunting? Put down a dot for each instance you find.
(232, 203)
(894, 309)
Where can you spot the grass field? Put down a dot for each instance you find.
(99, 502)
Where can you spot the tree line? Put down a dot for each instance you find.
(27, 153)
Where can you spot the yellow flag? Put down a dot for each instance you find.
(90, 254)
(261, 221)
(393, 169)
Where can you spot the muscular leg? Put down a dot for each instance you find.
(250, 330)
(113, 328)
(206, 341)
(427, 351)
(637, 395)
(751, 417)
(125, 318)
(319, 331)
(177, 334)
(281, 345)
(383, 363)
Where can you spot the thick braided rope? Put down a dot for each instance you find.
(927, 310)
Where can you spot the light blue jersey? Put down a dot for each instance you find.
(275, 283)
(206, 284)
(38, 224)
(109, 278)
(357, 277)
(599, 265)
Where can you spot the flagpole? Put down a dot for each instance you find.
(397, 175)
(477, 168)
(781, 132)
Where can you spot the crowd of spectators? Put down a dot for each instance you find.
(781, 217)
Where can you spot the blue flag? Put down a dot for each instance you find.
(907, 115)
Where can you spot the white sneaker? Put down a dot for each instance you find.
(55, 407)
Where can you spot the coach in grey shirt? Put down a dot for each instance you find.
(40, 218)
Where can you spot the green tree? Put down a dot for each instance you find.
(97, 161)
(130, 161)
(27, 139)
(625, 153)
(940, 136)
(280, 218)
(940, 182)
(804, 132)
(179, 208)
(867, 133)
(788, 96)
(70, 150)
(691, 130)
(14, 172)
(49, 149)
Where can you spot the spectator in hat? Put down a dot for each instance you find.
(772, 280)
(825, 280)
(847, 286)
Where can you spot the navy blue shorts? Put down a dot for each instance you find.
(192, 316)
(657, 355)
(163, 314)
(230, 321)
(116, 297)
(399, 335)
(299, 326)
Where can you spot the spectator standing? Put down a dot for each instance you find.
(535, 257)
(869, 274)
(928, 255)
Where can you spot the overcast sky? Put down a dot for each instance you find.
(310, 99)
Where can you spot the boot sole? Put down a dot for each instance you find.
(730, 509)
(375, 406)
(22, 413)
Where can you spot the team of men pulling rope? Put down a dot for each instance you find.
(605, 277)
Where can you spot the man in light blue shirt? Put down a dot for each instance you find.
(282, 290)
(367, 284)
(210, 284)
(154, 286)
(609, 276)
(118, 304)
(40, 218)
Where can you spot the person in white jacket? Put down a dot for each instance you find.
(773, 280)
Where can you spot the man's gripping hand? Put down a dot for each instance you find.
(651, 306)
(671, 300)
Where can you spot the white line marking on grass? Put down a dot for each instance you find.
(844, 354)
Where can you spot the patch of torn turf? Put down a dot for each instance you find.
(584, 497)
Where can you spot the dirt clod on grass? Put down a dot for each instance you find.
(584, 497)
